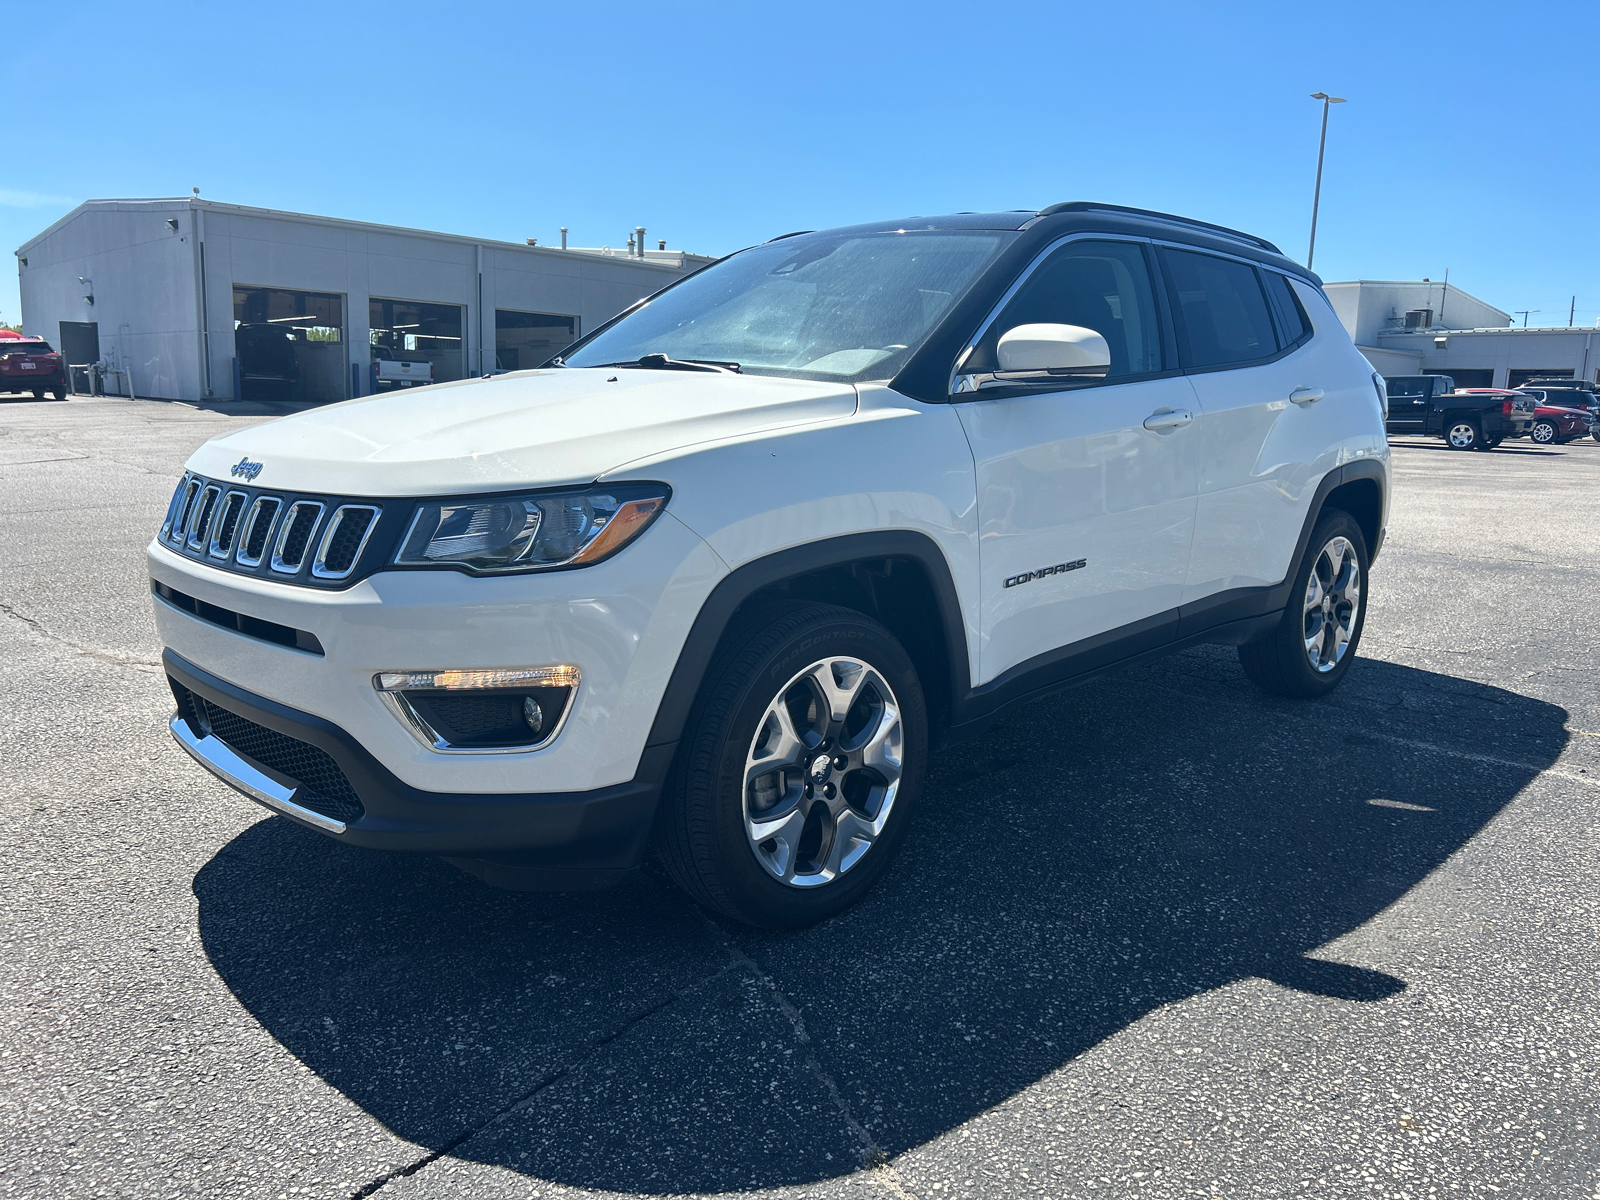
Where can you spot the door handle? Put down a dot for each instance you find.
(1168, 418)
(1304, 395)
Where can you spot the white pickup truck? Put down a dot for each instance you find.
(387, 374)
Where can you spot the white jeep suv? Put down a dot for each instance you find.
(719, 577)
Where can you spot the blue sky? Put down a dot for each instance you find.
(718, 125)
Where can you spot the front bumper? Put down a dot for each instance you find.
(565, 839)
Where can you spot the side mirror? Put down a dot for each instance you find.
(1065, 349)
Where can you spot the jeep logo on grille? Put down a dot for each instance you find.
(246, 470)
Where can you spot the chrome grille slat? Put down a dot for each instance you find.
(294, 536)
(272, 506)
(341, 568)
(173, 505)
(181, 523)
(226, 525)
(205, 510)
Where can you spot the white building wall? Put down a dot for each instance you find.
(1370, 307)
(1393, 362)
(147, 282)
(144, 277)
(1505, 350)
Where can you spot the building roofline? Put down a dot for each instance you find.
(1438, 332)
(191, 202)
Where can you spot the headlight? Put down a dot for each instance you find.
(523, 533)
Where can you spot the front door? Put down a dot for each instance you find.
(1086, 491)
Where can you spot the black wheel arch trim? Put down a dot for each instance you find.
(745, 581)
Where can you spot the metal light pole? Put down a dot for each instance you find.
(1322, 145)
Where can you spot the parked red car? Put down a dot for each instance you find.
(1557, 426)
(29, 364)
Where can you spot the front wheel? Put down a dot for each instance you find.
(1310, 650)
(1463, 433)
(799, 770)
(1544, 432)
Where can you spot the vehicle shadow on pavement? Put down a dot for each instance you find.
(1141, 840)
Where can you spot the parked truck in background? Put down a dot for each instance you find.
(1477, 419)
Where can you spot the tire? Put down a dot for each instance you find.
(1282, 662)
(1544, 432)
(844, 777)
(58, 393)
(1494, 442)
(1463, 433)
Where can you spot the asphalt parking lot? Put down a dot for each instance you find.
(1160, 936)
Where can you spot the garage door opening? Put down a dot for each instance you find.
(289, 345)
(526, 339)
(414, 343)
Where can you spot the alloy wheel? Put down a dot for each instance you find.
(1333, 602)
(1544, 433)
(822, 772)
(1462, 435)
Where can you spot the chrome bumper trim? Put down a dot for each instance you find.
(219, 758)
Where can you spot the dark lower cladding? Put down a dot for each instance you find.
(1231, 618)
(560, 840)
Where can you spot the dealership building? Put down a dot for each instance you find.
(189, 299)
(1425, 328)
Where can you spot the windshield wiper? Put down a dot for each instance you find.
(660, 362)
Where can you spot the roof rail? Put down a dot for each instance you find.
(1092, 206)
(781, 236)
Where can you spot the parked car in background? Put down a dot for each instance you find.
(1466, 418)
(1558, 425)
(389, 372)
(29, 364)
(1568, 393)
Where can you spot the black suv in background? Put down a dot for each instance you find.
(1479, 419)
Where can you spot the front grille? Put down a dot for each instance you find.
(317, 541)
(323, 787)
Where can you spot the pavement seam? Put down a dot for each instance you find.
(873, 1156)
(526, 1098)
(1430, 747)
(105, 656)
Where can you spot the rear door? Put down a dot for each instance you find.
(1086, 488)
(1271, 392)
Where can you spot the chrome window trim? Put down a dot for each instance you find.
(969, 384)
(317, 567)
(217, 523)
(418, 728)
(241, 538)
(278, 565)
(195, 537)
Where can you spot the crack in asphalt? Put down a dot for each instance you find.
(105, 656)
(527, 1097)
(873, 1156)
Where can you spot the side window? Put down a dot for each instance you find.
(1103, 286)
(1221, 310)
(1292, 321)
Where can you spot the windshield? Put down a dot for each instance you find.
(847, 306)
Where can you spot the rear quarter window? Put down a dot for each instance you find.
(1293, 324)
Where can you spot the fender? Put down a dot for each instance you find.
(739, 585)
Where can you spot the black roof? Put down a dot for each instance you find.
(1082, 214)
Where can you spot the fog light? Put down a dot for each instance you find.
(476, 711)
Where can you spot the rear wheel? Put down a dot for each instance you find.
(1544, 432)
(1494, 442)
(800, 768)
(1312, 647)
(1463, 433)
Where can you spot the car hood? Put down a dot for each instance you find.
(528, 429)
